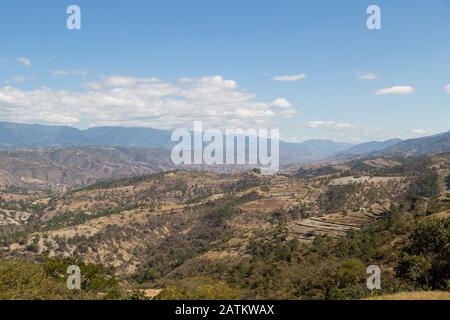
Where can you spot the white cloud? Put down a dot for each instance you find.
(289, 78)
(349, 131)
(120, 81)
(328, 125)
(447, 88)
(24, 61)
(424, 132)
(133, 101)
(63, 73)
(368, 76)
(403, 90)
(20, 79)
(281, 103)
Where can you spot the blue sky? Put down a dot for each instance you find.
(167, 63)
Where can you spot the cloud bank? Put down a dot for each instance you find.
(150, 102)
(350, 132)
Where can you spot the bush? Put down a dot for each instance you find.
(27, 281)
(198, 288)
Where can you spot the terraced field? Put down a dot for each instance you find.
(335, 224)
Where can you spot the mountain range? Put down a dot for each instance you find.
(59, 157)
(15, 135)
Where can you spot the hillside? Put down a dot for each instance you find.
(284, 236)
(59, 169)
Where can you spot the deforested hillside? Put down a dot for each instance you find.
(65, 168)
(308, 235)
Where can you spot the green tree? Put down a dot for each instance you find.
(94, 278)
(351, 272)
(425, 258)
(425, 186)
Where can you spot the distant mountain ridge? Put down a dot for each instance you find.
(371, 146)
(16, 135)
(439, 143)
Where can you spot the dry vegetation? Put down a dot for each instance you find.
(151, 230)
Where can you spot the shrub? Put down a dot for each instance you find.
(27, 281)
(198, 288)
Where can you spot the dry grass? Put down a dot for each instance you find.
(419, 295)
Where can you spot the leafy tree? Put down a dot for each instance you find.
(425, 258)
(150, 274)
(219, 215)
(351, 272)
(94, 278)
(425, 186)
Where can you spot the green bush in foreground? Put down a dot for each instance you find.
(46, 280)
(28, 281)
(198, 288)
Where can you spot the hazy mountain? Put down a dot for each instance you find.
(439, 143)
(311, 150)
(369, 147)
(15, 135)
(127, 137)
(26, 135)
